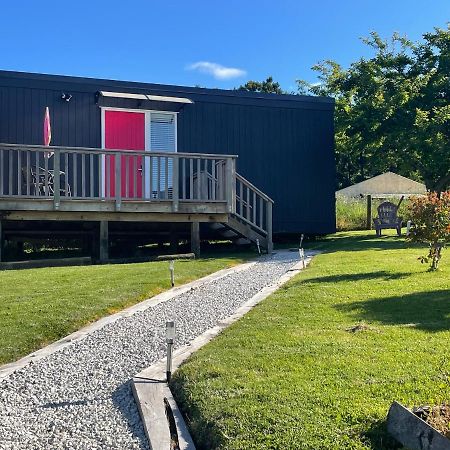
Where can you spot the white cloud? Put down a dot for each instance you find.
(218, 71)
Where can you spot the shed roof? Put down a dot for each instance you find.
(387, 184)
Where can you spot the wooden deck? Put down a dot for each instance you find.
(40, 183)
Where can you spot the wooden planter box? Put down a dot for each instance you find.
(413, 432)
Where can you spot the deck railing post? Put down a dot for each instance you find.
(118, 180)
(230, 184)
(269, 228)
(175, 183)
(56, 178)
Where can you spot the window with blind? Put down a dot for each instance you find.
(162, 139)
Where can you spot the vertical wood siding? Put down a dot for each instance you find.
(287, 152)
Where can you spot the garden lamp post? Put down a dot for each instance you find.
(172, 272)
(301, 251)
(170, 338)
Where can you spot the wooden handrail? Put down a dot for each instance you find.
(254, 188)
(106, 151)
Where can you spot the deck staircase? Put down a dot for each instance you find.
(239, 232)
(250, 220)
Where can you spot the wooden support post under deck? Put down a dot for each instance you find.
(104, 241)
(173, 240)
(269, 228)
(195, 238)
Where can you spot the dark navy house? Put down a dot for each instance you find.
(129, 153)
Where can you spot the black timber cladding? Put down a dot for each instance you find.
(285, 143)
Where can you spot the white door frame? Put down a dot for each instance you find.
(147, 138)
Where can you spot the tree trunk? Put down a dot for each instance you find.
(436, 256)
(442, 183)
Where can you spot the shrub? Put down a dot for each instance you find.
(431, 224)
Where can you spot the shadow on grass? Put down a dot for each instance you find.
(429, 311)
(379, 439)
(352, 243)
(366, 276)
(205, 433)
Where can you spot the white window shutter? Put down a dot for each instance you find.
(162, 139)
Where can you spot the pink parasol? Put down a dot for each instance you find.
(47, 132)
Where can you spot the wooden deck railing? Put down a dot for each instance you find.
(76, 173)
(72, 173)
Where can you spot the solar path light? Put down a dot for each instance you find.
(170, 338)
(301, 251)
(172, 272)
(257, 245)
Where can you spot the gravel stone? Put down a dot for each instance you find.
(80, 396)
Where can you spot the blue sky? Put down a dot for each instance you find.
(211, 43)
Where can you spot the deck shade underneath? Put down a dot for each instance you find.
(285, 144)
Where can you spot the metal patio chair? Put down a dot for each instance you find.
(38, 185)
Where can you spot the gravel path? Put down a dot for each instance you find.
(80, 397)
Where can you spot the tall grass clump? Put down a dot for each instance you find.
(351, 213)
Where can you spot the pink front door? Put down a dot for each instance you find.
(124, 130)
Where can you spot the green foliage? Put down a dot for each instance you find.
(431, 218)
(38, 306)
(267, 86)
(317, 364)
(392, 110)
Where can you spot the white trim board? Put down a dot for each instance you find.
(117, 108)
(158, 98)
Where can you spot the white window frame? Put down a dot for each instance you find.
(147, 136)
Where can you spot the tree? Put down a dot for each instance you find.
(431, 219)
(392, 110)
(267, 86)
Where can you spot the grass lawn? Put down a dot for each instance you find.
(292, 375)
(38, 306)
